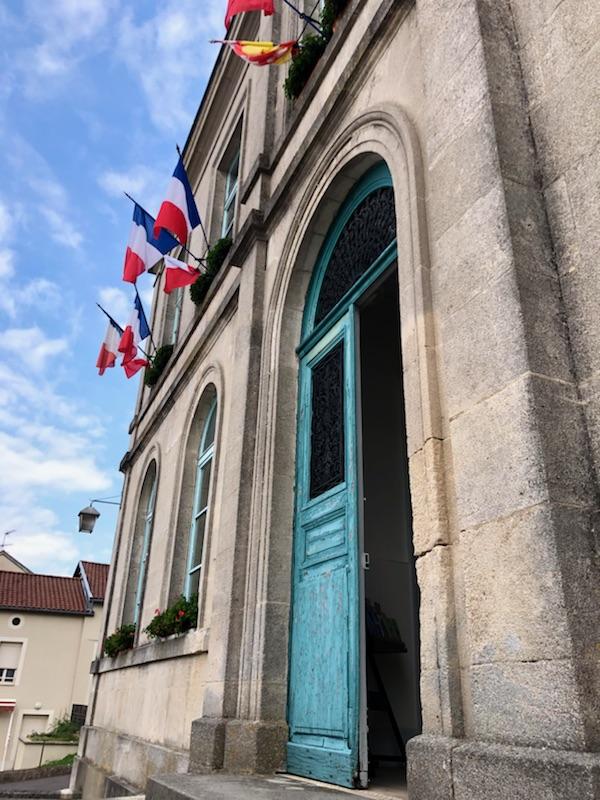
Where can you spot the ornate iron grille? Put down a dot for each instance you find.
(370, 229)
(327, 462)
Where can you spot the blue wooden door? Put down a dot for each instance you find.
(324, 691)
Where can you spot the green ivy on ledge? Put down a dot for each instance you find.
(178, 618)
(119, 641)
(311, 48)
(157, 366)
(214, 261)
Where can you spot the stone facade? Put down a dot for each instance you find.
(485, 113)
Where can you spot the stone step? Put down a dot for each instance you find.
(235, 787)
(221, 786)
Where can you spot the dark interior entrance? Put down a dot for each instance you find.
(391, 638)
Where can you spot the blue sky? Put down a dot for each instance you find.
(94, 94)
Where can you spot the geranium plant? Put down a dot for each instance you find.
(178, 618)
(122, 639)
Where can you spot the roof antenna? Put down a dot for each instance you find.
(5, 536)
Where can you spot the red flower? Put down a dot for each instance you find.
(180, 614)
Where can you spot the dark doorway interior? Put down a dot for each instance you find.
(391, 593)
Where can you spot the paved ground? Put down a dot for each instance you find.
(52, 784)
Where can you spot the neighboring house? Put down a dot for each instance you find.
(49, 631)
(375, 448)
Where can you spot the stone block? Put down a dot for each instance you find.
(448, 30)
(523, 445)
(207, 744)
(429, 767)
(474, 251)
(514, 601)
(441, 707)
(557, 44)
(428, 497)
(255, 747)
(528, 703)
(464, 178)
(561, 142)
(495, 772)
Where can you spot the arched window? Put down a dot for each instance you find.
(198, 529)
(140, 548)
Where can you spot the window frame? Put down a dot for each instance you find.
(145, 551)
(230, 195)
(18, 670)
(204, 459)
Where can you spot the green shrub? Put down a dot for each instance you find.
(177, 618)
(331, 11)
(157, 365)
(303, 63)
(119, 641)
(214, 261)
(217, 255)
(67, 761)
(63, 730)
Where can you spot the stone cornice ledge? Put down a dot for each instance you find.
(190, 644)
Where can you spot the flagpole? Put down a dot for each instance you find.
(306, 17)
(135, 202)
(120, 329)
(137, 294)
(179, 153)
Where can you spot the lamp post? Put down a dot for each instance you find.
(89, 514)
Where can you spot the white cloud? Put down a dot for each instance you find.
(62, 230)
(116, 302)
(145, 184)
(6, 221)
(65, 32)
(169, 55)
(48, 446)
(31, 346)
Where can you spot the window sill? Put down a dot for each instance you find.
(188, 644)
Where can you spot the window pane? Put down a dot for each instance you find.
(209, 431)
(194, 582)
(200, 525)
(205, 486)
(327, 461)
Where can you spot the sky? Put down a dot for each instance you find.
(94, 96)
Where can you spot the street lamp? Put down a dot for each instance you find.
(89, 515)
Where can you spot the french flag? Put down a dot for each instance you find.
(109, 347)
(178, 213)
(134, 334)
(179, 274)
(144, 249)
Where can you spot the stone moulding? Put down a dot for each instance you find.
(193, 642)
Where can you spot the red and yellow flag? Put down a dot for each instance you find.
(239, 6)
(260, 53)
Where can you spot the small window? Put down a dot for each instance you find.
(201, 498)
(7, 675)
(231, 192)
(78, 713)
(10, 655)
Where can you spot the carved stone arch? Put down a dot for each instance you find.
(209, 386)
(383, 135)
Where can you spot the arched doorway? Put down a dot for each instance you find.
(354, 652)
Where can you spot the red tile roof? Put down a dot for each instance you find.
(97, 577)
(19, 590)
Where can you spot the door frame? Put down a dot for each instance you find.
(313, 337)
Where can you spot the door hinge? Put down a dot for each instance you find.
(366, 561)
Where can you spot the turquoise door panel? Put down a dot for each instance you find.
(324, 712)
(324, 657)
